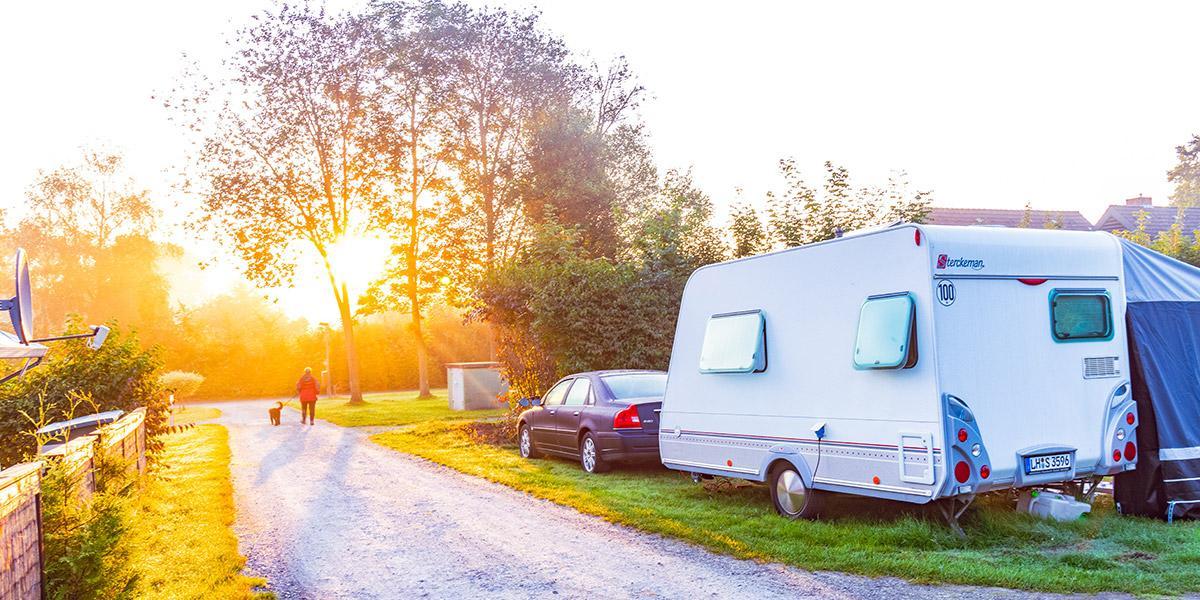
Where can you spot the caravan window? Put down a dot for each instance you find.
(1077, 315)
(887, 333)
(735, 343)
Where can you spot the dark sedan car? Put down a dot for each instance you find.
(600, 418)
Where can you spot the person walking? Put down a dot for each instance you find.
(307, 389)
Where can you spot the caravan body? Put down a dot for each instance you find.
(912, 363)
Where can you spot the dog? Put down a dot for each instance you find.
(275, 412)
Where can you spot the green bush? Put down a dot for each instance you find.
(181, 383)
(121, 375)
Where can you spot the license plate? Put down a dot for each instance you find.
(1049, 463)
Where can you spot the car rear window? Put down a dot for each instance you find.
(636, 385)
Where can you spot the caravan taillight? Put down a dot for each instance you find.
(1130, 451)
(917, 236)
(1032, 280)
(962, 471)
(1116, 456)
(1129, 418)
(962, 435)
(984, 471)
(627, 419)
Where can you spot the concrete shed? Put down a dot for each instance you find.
(474, 385)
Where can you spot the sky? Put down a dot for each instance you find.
(1066, 105)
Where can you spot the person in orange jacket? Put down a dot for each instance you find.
(307, 389)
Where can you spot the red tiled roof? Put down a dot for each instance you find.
(1070, 219)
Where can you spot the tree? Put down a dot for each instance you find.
(749, 235)
(505, 73)
(411, 121)
(287, 162)
(1186, 174)
(800, 216)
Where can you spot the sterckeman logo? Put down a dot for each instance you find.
(945, 262)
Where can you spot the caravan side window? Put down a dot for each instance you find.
(735, 343)
(1078, 315)
(887, 333)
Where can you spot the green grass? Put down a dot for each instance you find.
(184, 414)
(180, 539)
(1103, 552)
(392, 409)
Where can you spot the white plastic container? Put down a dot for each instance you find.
(1049, 505)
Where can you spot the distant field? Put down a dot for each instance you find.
(393, 408)
(1103, 552)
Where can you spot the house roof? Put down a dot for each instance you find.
(1158, 219)
(1070, 219)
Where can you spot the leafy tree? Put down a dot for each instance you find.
(749, 235)
(1173, 242)
(1186, 174)
(800, 216)
(287, 160)
(505, 72)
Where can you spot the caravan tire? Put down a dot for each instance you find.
(792, 497)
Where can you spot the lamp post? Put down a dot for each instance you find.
(325, 374)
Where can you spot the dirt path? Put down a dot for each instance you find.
(325, 513)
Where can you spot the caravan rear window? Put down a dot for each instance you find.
(735, 343)
(1078, 315)
(887, 333)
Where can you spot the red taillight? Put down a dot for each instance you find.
(917, 236)
(1129, 418)
(962, 435)
(1032, 280)
(984, 471)
(962, 472)
(1130, 451)
(627, 419)
(1116, 456)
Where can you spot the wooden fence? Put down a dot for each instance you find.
(20, 497)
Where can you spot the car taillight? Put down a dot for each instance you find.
(1130, 451)
(962, 471)
(627, 419)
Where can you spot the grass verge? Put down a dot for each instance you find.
(1103, 552)
(181, 542)
(184, 414)
(393, 409)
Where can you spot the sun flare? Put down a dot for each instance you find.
(358, 261)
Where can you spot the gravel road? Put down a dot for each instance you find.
(324, 513)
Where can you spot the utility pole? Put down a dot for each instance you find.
(326, 376)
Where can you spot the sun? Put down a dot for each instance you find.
(359, 260)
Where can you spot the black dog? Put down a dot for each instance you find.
(275, 412)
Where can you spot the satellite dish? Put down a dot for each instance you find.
(20, 307)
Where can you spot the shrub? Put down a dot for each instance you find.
(121, 375)
(181, 383)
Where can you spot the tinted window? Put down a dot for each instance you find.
(554, 397)
(578, 395)
(886, 333)
(636, 385)
(734, 343)
(1080, 315)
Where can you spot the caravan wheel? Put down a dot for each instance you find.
(791, 497)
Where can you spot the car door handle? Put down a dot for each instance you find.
(553, 412)
(576, 413)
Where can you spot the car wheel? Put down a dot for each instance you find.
(792, 498)
(525, 443)
(589, 455)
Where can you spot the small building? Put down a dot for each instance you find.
(1003, 217)
(1124, 217)
(474, 385)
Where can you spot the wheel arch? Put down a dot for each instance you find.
(797, 462)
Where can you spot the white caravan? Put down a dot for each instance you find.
(914, 363)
